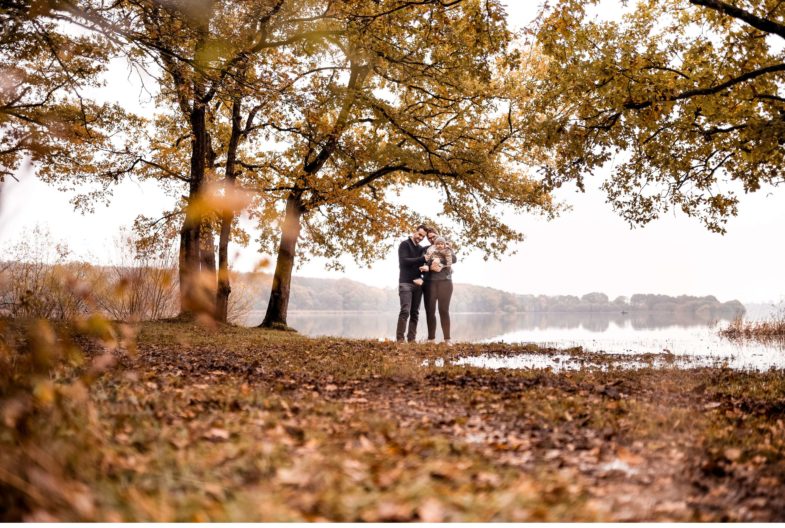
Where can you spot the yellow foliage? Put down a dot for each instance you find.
(681, 97)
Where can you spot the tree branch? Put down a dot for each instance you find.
(763, 24)
(633, 105)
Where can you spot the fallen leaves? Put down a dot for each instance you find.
(432, 511)
(298, 475)
(217, 435)
(333, 433)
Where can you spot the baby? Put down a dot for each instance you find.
(439, 255)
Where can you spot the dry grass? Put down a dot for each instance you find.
(772, 328)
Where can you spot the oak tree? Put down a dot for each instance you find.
(401, 94)
(683, 98)
(216, 58)
(49, 74)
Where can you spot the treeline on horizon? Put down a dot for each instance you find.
(149, 291)
(313, 294)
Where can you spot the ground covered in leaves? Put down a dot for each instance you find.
(235, 424)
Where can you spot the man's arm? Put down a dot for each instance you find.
(405, 260)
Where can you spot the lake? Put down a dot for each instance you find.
(690, 339)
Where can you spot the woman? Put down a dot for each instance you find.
(439, 258)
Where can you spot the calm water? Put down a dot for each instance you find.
(680, 340)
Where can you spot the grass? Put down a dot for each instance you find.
(770, 329)
(238, 424)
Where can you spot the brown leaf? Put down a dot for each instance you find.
(297, 475)
(431, 511)
(628, 457)
(214, 490)
(488, 479)
(179, 443)
(217, 435)
(389, 511)
(366, 445)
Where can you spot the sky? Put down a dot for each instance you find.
(586, 249)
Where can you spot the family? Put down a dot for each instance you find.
(425, 274)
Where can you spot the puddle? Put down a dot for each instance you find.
(670, 347)
(560, 363)
(567, 362)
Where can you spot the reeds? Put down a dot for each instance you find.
(772, 328)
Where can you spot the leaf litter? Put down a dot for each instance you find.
(236, 424)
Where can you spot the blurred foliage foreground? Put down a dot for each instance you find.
(177, 422)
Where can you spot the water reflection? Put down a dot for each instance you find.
(684, 340)
(484, 326)
(561, 363)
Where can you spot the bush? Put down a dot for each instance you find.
(38, 282)
(139, 286)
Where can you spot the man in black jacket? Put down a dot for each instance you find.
(411, 263)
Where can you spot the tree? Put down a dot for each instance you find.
(220, 66)
(687, 93)
(359, 99)
(45, 115)
(199, 52)
(404, 93)
(595, 298)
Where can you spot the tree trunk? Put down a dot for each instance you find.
(224, 286)
(194, 297)
(227, 218)
(282, 280)
(207, 260)
(181, 267)
(192, 294)
(279, 296)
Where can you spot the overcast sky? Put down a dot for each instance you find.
(586, 249)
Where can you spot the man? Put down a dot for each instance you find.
(411, 263)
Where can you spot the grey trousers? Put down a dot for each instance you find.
(410, 295)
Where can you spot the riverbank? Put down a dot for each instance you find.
(238, 424)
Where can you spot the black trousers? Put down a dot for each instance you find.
(410, 295)
(438, 292)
